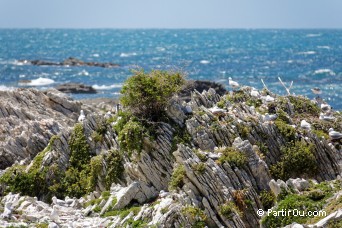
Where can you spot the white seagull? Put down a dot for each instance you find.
(268, 98)
(81, 118)
(232, 83)
(255, 92)
(334, 134)
(305, 125)
(269, 117)
(217, 111)
(7, 214)
(325, 107)
(108, 115)
(54, 214)
(324, 117)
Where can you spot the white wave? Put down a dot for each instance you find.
(6, 88)
(313, 35)
(124, 55)
(38, 82)
(325, 71)
(160, 48)
(307, 53)
(106, 87)
(96, 55)
(22, 75)
(19, 63)
(323, 47)
(204, 61)
(83, 73)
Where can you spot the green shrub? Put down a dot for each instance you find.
(147, 94)
(303, 105)
(79, 147)
(297, 160)
(115, 167)
(283, 116)
(234, 157)
(238, 96)
(31, 182)
(177, 178)
(267, 199)
(291, 202)
(195, 215)
(286, 130)
(199, 167)
(131, 137)
(95, 170)
(97, 137)
(254, 102)
(229, 209)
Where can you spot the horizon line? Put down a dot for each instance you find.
(174, 28)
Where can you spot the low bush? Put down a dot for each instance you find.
(147, 94)
(297, 160)
(177, 178)
(234, 157)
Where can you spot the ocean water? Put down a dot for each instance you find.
(309, 58)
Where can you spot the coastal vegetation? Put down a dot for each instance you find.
(160, 159)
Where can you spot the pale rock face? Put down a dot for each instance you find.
(28, 119)
(138, 191)
(299, 184)
(277, 186)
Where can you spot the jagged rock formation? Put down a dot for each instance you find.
(208, 166)
(28, 119)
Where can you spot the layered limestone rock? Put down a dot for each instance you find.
(29, 118)
(207, 164)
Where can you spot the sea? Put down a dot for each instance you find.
(308, 58)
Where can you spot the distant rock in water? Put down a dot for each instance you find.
(75, 88)
(68, 62)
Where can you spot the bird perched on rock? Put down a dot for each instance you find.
(58, 202)
(268, 98)
(335, 134)
(54, 216)
(217, 111)
(269, 117)
(82, 117)
(305, 125)
(255, 92)
(325, 117)
(108, 115)
(325, 107)
(232, 83)
(7, 214)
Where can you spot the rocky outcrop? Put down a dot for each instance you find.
(75, 88)
(68, 62)
(207, 164)
(28, 119)
(200, 86)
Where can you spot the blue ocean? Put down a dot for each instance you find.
(309, 58)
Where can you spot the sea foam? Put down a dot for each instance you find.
(325, 71)
(6, 88)
(38, 82)
(106, 87)
(125, 55)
